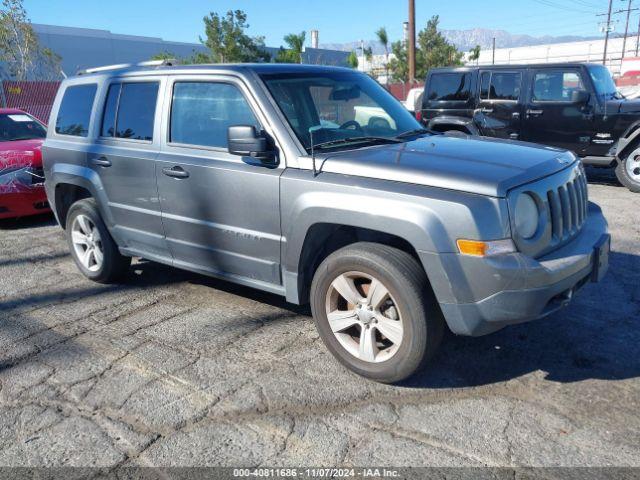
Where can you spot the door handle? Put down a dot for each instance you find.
(101, 162)
(175, 172)
(515, 115)
(486, 110)
(535, 113)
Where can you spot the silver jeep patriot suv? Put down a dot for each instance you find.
(316, 184)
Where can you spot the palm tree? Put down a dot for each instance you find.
(383, 38)
(296, 44)
(474, 54)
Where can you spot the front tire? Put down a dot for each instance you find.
(375, 312)
(628, 171)
(92, 247)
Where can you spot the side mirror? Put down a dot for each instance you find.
(246, 141)
(579, 97)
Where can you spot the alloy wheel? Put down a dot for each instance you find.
(87, 243)
(364, 317)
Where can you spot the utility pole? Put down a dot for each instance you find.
(411, 47)
(493, 54)
(626, 30)
(608, 28)
(606, 35)
(638, 38)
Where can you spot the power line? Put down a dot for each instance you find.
(608, 28)
(549, 3)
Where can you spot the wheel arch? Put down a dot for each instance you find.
(322, 239)
(68, 183)
(628, 141)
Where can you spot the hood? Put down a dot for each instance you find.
(470, 164)
(623, 106)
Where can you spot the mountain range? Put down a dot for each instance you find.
(465, 40)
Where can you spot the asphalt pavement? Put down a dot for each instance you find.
(177, 369)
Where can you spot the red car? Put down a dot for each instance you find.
(21, 176)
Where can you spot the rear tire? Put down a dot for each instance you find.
(628, 171)
(91, 245)
(401, 318)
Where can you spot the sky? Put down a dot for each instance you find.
(338, 21)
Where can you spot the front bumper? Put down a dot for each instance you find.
(481, 295)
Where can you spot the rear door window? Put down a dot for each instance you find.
(74, 113)
(202, 112)
(130, 110)
(555, 85)
(449, 87)
(500, 86)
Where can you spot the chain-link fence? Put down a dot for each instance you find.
(33, 96)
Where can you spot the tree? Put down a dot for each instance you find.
(434, 49)
(165, 56)
(399, 65)
(293, 54)
(474, 54)
(20, 50)
(228, 42)
(194, 59)
(383, 38)
(352, 60)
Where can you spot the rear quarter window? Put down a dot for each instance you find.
(449, 87)
(74, 113)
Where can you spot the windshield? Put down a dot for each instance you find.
(338, 106)
(603, 82)
(20, 126)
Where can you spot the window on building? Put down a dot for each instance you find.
(556, 85)
(449, 87)
(74, 113)
(202, 112)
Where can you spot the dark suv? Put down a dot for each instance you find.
(574, 106)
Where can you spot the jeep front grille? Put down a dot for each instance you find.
(568, 206)
(562, 200)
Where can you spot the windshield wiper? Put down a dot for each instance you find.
(410, 133)
(348, 140)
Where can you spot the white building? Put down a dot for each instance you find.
(375, 66)
(585, 51)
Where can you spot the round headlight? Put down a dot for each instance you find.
(526, 216)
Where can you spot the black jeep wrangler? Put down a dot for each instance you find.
(571, 105)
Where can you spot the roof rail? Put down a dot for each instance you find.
(149, 63)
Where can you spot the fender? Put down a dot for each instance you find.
(464, 122)
(425, 219)
(80, 176)
(628, 140)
